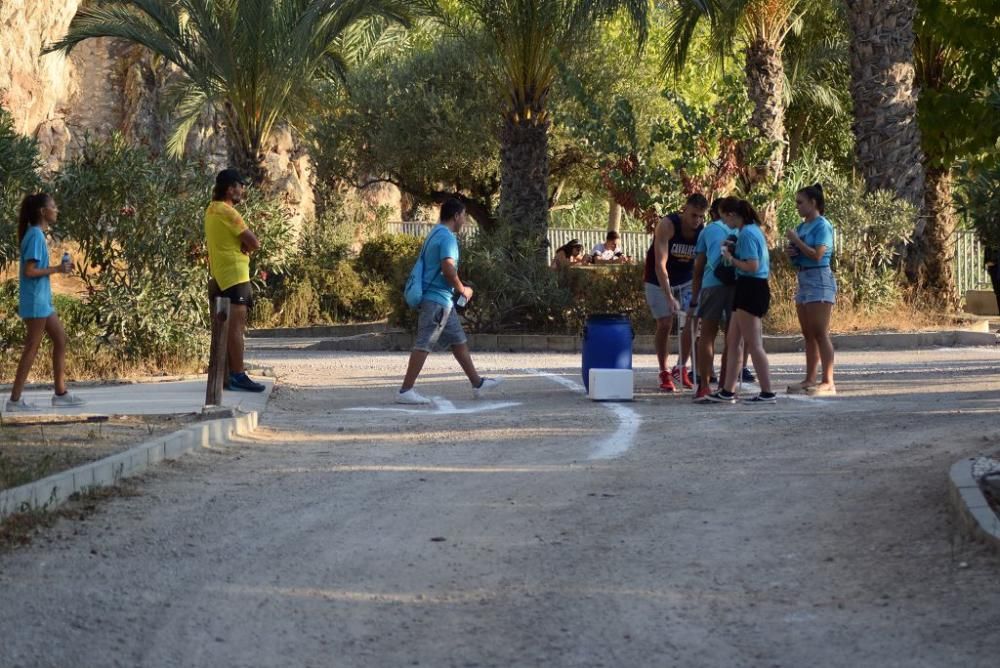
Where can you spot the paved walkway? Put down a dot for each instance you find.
(146, 398)
(539, 529)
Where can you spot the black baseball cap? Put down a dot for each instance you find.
(229, 177)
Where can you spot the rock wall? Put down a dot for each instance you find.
(106, 86)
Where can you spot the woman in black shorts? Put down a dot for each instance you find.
(751, 303)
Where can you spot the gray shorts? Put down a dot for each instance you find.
(660, 306)
(436, 328)
(716, 303)
(816, 285)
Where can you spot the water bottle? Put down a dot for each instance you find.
(67, 262)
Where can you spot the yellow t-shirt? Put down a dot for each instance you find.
(228, 264)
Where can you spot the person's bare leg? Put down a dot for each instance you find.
(237, 325)
(753, 330)
(36, 330)
(464, 357)
(413, 368)
(733, 357)
(685, 335)
(724, 362)
(812, 349)
(706, 350)
(662, 340)
(54, 328)
(819, 315)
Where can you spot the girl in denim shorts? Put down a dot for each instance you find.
(810, 248)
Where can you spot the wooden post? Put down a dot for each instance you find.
(218, 365)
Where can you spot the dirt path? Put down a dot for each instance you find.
(811, 533)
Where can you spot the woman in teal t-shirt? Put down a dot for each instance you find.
(37, 213)
(751, 301)
(810, 247)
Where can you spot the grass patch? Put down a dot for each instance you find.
(19, 529)
(33, 447)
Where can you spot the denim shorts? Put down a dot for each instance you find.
(438, 326)
(816, 285)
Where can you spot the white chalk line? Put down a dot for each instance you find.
(807, 399)
(441, 407)
(628, 420)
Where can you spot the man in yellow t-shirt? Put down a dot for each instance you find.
(230, 243)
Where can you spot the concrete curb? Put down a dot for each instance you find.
(50, 492)
(976, 518)
(531, 343)
(320, 331)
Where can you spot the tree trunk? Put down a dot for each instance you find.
(887, 137)
(614, 216)
(765, 73)
(937, 245)
(524, 177)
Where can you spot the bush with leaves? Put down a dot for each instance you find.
(19, 164)
(138, 223)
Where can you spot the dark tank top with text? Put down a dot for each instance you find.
(680, 262)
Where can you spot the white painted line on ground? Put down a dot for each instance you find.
(441, 407)
(443, 404)
(628, 420)
(805, 398)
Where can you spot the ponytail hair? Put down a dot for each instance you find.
(815, 193)
(30, 213)
(740, 207)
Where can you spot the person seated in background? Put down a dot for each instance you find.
(610, 251)
(568, 255)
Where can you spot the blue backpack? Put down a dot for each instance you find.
(413, 293)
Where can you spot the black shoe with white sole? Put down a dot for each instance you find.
(722, 397)
(762, 398)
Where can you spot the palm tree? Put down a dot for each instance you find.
(887, 137)
(521, 42)
(256, 62)
(761, 26)
(956, 56)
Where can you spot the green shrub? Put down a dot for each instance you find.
(19, 163)
(385, 262)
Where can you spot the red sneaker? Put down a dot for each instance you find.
(686, 379)
(666, 382)
(701, 396)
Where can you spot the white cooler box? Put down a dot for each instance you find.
(611, 384)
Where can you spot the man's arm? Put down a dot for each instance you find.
(699, 274)
(249, 242)
(661, 244)
(450, 273)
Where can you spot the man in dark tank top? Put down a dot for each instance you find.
(668, 276)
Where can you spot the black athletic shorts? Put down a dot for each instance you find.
(753, 295)
(239, 294)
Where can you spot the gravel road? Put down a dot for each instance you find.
(807, 533)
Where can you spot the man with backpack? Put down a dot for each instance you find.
(432, 288)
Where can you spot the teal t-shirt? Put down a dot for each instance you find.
(34, 294)
(753, 246)
(817, 232)
(441, 244)
(710, 243)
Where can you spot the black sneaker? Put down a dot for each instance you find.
(722, 397)
(748, 376)
(241, 381)
(762, 398)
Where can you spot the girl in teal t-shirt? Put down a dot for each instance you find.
(751, 302)
(38, 212)
(810, 247)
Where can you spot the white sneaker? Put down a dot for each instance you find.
(411, 398)
(67, 400)
(489, 384)
(20, 406)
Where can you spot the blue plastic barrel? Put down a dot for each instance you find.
(607, 344)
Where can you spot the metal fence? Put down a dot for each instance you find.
(969, 271)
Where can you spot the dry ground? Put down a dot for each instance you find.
(807, 533)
